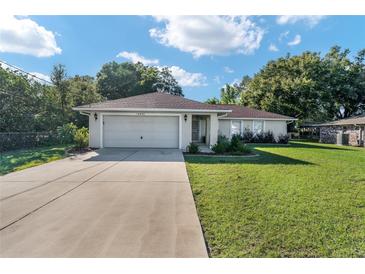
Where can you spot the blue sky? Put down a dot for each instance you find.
(203, 52)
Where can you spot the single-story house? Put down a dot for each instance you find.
(160, 120)
(348, 131)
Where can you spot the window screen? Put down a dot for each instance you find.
(236, 127)
(258, 126)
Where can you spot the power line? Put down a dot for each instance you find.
(25, 72)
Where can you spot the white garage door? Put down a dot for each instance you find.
(141, 131)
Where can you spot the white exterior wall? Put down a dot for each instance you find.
(224, 128)
(186, 130)
(213, 129)
(215, 126)
(94, 130)
(277, 127)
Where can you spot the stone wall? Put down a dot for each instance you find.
(353, 137)
(328, 135)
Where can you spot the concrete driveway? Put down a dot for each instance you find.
(108, 203)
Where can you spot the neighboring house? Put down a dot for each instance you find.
(160, 120)
(349, 131)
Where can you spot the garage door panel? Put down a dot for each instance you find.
(126, 131)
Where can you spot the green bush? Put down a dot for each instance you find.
(81, 137)
(247, 136)
(234, 146)
(222, 145)
(220, 148)
(269, 137)
(235, 142)
(222, 139)
(192, 148)
(242, 149)
(283, 139)
(66, 133)
(259, 138)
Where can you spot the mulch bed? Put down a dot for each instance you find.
(206, 154)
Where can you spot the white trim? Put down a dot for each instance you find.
(140, 114)
(180, 130)
(153, 110)
(101, 129)
(230, 129)
(268, 119)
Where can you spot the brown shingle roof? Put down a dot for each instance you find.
(246, 112)
(357, 120)
(154, 100)
(163, 101)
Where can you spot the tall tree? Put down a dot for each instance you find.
(291, 85)
(116, 80)
(119, 80)
(167, 83)
(22, 102)
(213, 101)
(83, 91)
(59, 79)
(345, 81)
(229, 94)
(147, 76)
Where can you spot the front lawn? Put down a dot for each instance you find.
(24, 158)
(299, 200)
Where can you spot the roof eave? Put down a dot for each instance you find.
(260, 118)
(152, 110)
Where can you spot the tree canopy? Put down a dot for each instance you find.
(28, 105)
(119, 80)
(307, 86)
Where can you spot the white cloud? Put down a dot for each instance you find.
(209, 35)
(296, 41)
(188, 79)
(41, 76)
(283, 35)
(23, 35)
(228, 70)
(310, 20)
(134, 57)
(183, 77)
(273, 47)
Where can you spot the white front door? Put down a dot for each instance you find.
(141, 131)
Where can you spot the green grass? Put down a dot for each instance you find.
(299, 200)
(24, 158)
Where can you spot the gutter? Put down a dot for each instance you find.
(152, 110)
(84, 113)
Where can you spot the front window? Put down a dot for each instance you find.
(258, 127)
(235, 127)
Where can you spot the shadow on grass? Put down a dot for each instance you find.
(11, 160)
(319, 146)
(264, 158)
